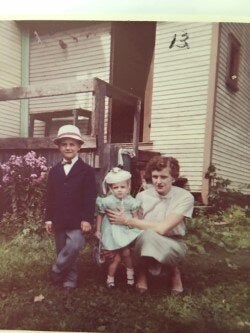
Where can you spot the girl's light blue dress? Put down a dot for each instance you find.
(114, 236)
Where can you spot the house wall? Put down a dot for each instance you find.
(180, 95)
(231, 144)
(87, 55)
(10, 65)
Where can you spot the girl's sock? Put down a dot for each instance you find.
(110, 281)
(130, 277)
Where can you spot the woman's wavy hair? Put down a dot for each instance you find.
(160, 162)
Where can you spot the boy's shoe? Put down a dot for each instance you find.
(55, 279)
(68, 290)
(69, 285)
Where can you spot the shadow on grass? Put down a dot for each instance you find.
(216, 298)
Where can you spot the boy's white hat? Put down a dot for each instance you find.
(68, 132)
(117, 175)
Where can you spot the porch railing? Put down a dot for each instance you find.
(96, 140)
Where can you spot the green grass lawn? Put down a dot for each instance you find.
(216, 295)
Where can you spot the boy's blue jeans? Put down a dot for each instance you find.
(68, 245)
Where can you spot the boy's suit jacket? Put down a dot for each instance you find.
(70, 199)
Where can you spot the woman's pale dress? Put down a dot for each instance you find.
(168, 250)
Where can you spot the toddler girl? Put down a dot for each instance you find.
(115, 239)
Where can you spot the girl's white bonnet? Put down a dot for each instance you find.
(117, 175)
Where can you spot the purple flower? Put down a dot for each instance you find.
(6, 179)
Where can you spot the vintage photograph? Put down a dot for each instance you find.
(124, 175)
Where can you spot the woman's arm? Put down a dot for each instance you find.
(162, 228)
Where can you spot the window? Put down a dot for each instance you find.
(233, 63)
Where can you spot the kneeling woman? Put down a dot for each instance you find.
(164, 208)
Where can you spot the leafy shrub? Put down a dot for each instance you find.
(217, 231)
(211, 225)
(221, 197)
(12, 225)
(235, 215)
(24, 182)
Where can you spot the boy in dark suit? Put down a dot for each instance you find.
(70, 205)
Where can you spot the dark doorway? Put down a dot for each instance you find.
(132, 53)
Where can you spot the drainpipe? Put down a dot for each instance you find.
(24, 103)
(211, 108)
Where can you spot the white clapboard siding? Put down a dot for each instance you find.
(87, 55)
(10, 66)
(231, 146)
(180, 93)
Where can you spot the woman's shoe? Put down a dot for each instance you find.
(177, 287)
(175, 292)
(141, 289)
(110, 285)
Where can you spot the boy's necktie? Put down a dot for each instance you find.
(66, 162)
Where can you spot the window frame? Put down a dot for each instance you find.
(233, 64)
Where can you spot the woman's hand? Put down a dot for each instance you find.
(116, 217)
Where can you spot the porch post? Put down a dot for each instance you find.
(136, 132)
(99, 110)
(211, 108)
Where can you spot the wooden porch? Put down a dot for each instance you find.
(98, 149)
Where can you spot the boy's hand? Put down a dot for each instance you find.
(98, 234)
(48, 227)
(85, 226)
